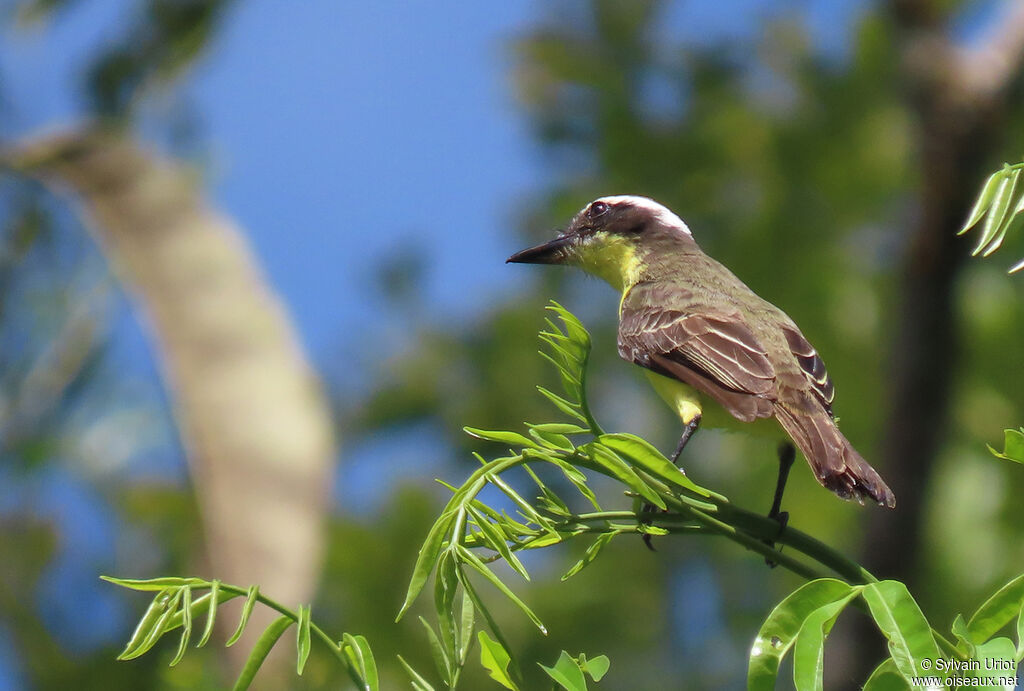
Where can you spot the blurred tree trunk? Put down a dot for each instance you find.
(958, 98)
(253, 419)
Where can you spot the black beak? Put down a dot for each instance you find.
(553, 252)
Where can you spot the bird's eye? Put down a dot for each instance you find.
(597, 209)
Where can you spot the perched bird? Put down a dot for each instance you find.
(701, 334)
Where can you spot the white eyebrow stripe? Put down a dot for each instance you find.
(663, 213)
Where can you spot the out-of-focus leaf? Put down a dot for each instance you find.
(495, 659)
(997, 611)
(780, 629)
(260, 651)
(903, 624)
(1013, 446)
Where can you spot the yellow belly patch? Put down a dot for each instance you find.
(682, 398)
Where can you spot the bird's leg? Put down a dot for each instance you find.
(787, 454)
(691, 427)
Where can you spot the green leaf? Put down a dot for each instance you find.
(446, 583)
(984, 201)
(567, 673)
(560, 428)
(997, 611)
(302, 644)
(495, 660)
(260, 651)
(186, 624)
(426, 559)
(1020, 636)
(780, 629)
(567, 407)
(620, 470)
(466, 623)
(211, 614)
(159, 626)
(591, 554)
(496, 541)
(886, 678)
(418, 682)
(963, 636)
(903, 624)
(1013, 446)
(998, 210)
(643, 454)
(357, 651)
(149, 619)
(482, 569)
(442, 663)
(597, 667)
(481, 607)
(996, 658)
(1016, 267)
(155, 584)
(809, 649)
(502, 437)
(250, 601)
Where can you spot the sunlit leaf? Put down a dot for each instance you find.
(886, 678)
(497, 542)
(153, 613)
(426, 559)
(260, 651)
(780, 629)
(567, 673)
(984, 201)
(643, 454)
(466, 625)
(186, 624)
(211, 614)
(998, 210)
(250, 602)
(503, 437)
(997, 611)
(495, 659)
(903, 624)
(302, 642)
(1013, 446)
(809, 649)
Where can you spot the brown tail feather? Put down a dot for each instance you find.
(835, 462)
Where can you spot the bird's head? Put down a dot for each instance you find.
(612, 238)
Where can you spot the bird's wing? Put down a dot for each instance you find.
(710, 347)
(811, 366)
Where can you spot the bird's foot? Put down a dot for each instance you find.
(787, 454)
